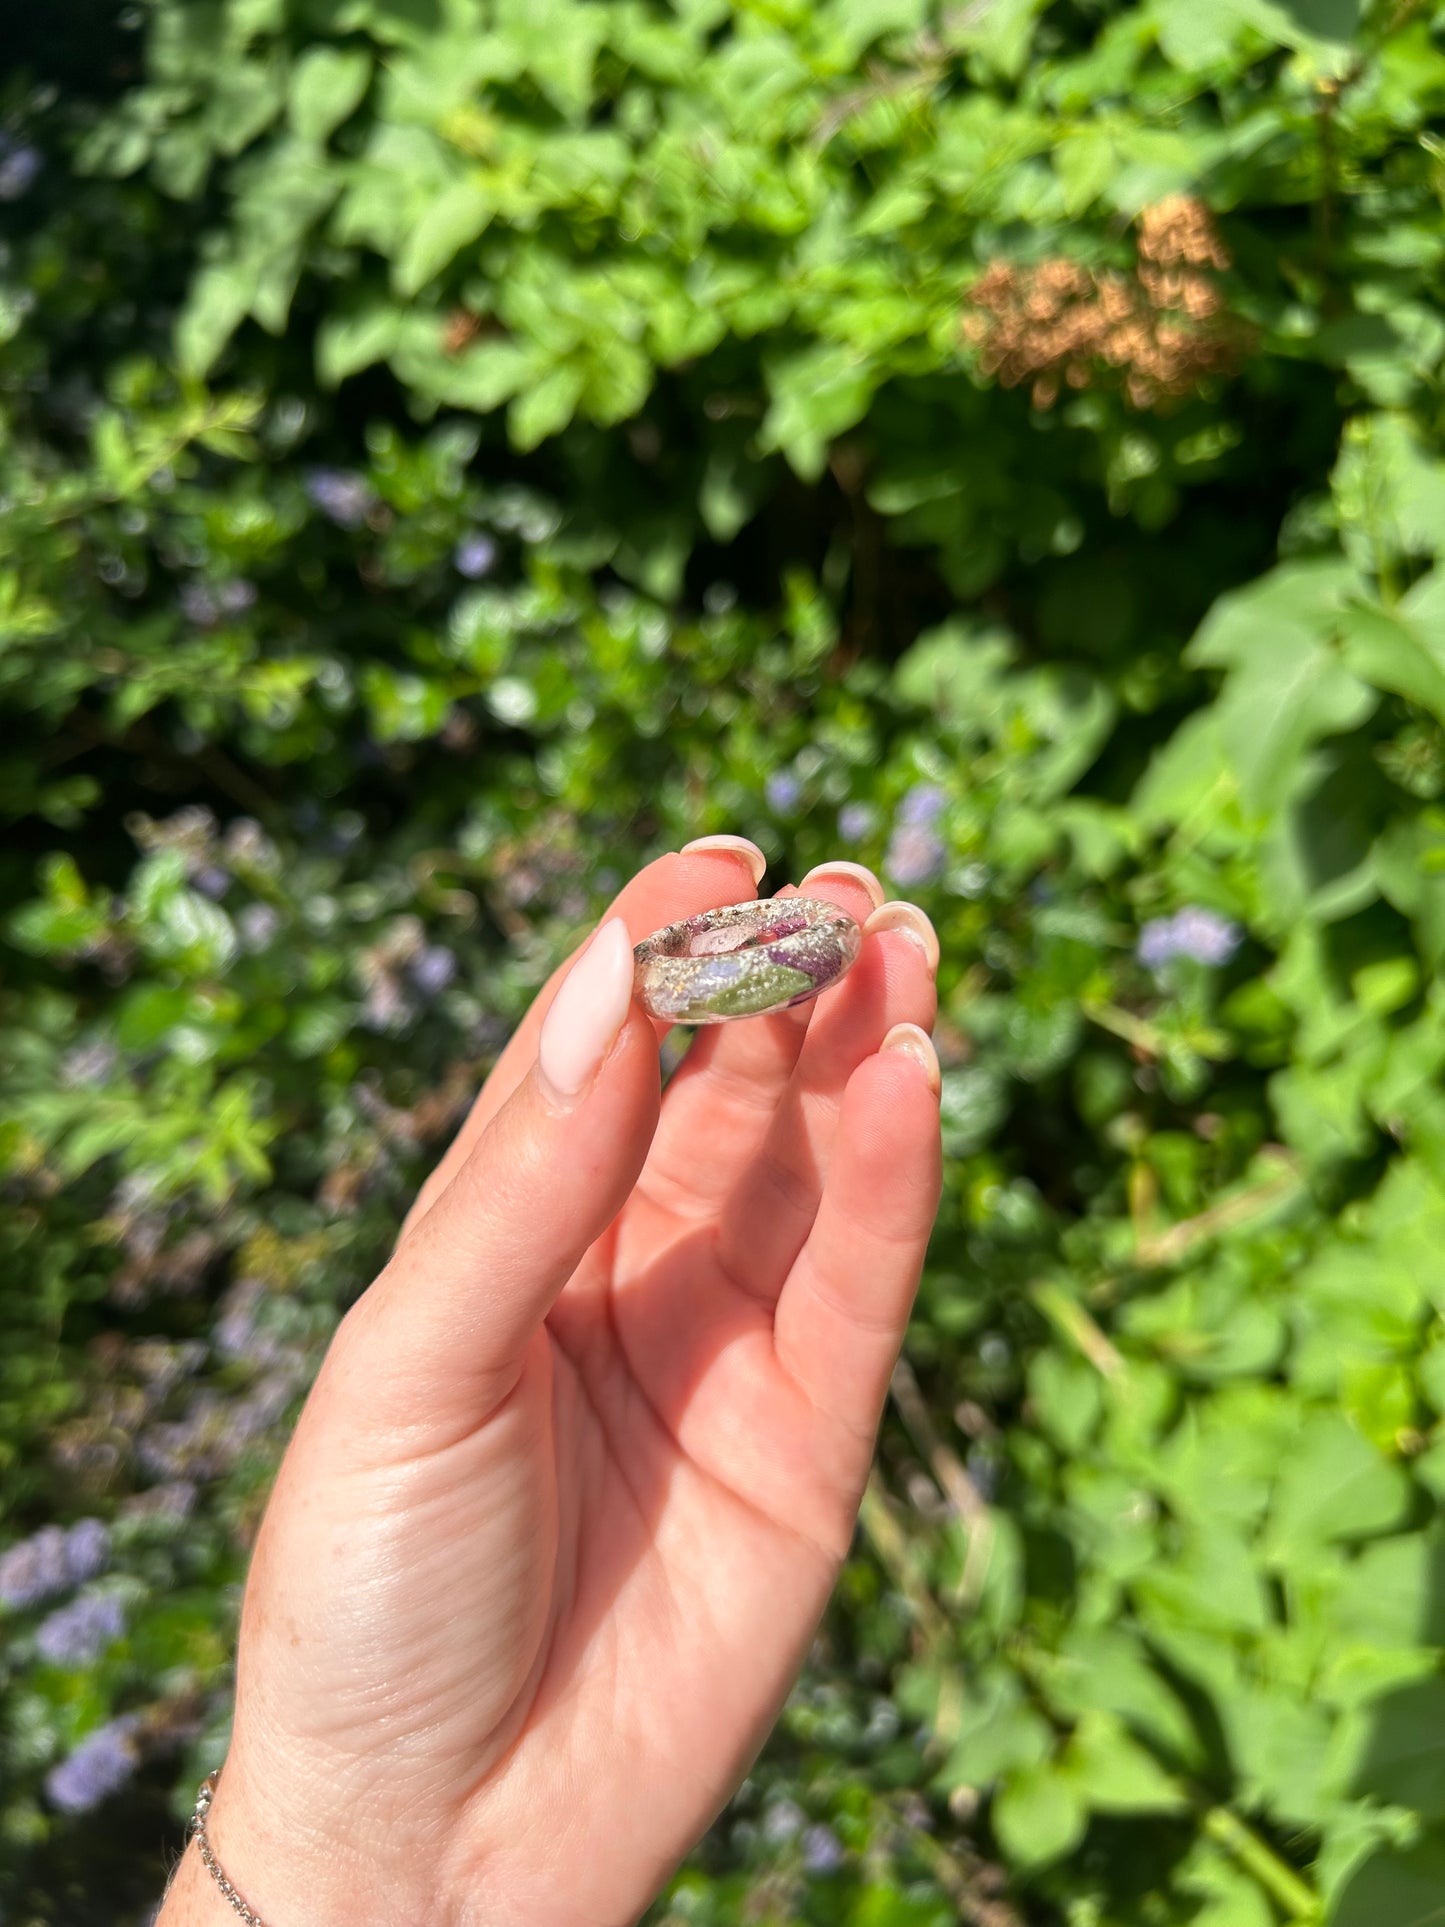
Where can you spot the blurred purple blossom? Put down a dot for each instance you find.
(783, 1821)
(783, 791)
(344, 497)
(1194, 932)
(474, 555)
(855, 821)
(258, 924)
(87, 1550)
(433, 968)
(19, 169)
(915, 854)
(89, 1064)
(75, 1634)
(822, 1850)
(53, 1560)
(922, 806)
(98, 1767)
(212, 881)
(204, 603)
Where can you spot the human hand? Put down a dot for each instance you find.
(569, 1494)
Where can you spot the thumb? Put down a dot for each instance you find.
(439, 1340)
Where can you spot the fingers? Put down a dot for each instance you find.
(726, 1092)
(845, 1305)
(771, 1208)
(703, 876)
(439, 1340)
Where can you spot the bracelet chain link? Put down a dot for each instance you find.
(213, 1866)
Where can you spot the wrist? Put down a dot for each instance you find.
(285, 1869)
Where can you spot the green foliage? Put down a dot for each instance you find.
(451, 450)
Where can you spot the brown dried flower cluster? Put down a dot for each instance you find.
(1160, 330)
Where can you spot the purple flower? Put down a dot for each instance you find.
(74, 1635)
(915, 854)
(474, 556)
(1194, 932)
(258, 924)
(198, 605)
(89, 1064)
(784, 1820)
(212, 881)
(922, 806)
(237, 597)
(342, 496)
(783, 791)
(98, 1767)
(19, 169)
(35, 1568)
(855, 821)
(822, 1850)
(1206, 936)
(433, 968)
(87, 1550)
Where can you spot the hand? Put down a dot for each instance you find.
(570, 1492)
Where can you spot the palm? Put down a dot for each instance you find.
(597, 1596)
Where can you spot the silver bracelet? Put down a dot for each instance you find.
(213, 1866)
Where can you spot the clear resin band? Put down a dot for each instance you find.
(745, 959)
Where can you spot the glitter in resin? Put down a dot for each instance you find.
(745, 959)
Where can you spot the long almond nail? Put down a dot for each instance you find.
(912, 921)
(855, 872)
(587, 1013)
(749, 852)
(916, 1043)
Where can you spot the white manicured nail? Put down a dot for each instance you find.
(853, 872)
(739, 845)
(912, 921)
(912, 1041)
(587, 1012)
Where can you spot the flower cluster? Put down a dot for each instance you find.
(19, 169)
(345, 498)
(1194, 932)
(52, 1561)
(916, 851)
(77, 1633)
(1161, 329)
(99, 1766)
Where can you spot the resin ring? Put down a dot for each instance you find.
(745, 959)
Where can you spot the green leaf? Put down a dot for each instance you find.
(815, 395)
(454, 220)
(546, 407)
(1396, 1890)
(1039, 1814)
(1333, 1486)
(355, 339)
(1115, 1773)
(1404, 1755)
(328, 84)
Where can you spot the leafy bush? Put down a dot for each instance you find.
(454, 449)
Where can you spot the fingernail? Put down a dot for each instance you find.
(857, 872)
(587, 1012)
(916, 1043)
(749, 852)
(912, 921)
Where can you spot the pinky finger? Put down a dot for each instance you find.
(845, 1305)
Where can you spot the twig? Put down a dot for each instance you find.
(1068, 1316)
(1168, 1247)
(952, 1476)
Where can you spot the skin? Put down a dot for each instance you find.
(568, 1497)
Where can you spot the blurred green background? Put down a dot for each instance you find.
(453, 450)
